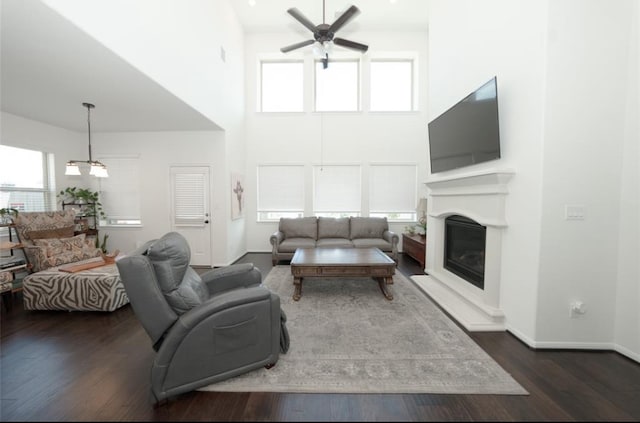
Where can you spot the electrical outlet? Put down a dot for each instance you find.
(577, 309)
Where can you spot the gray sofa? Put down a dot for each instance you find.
(330, 232)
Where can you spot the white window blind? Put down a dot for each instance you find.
(393, 191)
(188, 199)
(281, 86)
(280, 191)
(120, 192)
(336, 190)
(337, 87)
(26, 180)
(391, 85)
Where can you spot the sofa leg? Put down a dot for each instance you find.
(269, 366)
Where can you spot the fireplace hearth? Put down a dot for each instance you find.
(464, 249)
(468, 209)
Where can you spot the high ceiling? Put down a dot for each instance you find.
(375, 15)
(49, 67)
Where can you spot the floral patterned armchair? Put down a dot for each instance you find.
(49, 241)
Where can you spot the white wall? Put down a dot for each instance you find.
(179, 45)
(470, 42)
(158, 151)
(627, 318)
(568, 97)
(587, 82)
(354, 137)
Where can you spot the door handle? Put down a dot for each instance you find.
(206, 221)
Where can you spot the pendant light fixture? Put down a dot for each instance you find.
(98, 169)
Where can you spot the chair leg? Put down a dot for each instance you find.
(269, 366)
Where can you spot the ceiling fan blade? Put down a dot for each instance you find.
(302, 19)
(349, 14)
(350, 44)
(297, 45)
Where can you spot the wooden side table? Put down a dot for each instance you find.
(415, 246)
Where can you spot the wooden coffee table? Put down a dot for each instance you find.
(342, 262)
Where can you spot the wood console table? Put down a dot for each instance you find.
(415, 247)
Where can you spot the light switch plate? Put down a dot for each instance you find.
(574, 212)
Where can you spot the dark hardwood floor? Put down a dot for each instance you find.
(79, 366)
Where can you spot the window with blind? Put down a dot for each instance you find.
(189, 197)
(280, 191)
(336, 190)
(26, 179)
(393, 192)
(120, 192)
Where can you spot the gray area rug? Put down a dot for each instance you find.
(347, 338)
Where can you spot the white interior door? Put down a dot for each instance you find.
(190, 210)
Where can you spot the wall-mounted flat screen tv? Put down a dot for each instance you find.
(468, 132)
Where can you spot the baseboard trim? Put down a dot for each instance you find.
(571, 345)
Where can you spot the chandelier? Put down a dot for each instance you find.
(98, 169)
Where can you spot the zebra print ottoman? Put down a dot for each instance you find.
(98, 289)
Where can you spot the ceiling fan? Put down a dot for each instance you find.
(324, 33)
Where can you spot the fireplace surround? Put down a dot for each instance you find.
(478, 197)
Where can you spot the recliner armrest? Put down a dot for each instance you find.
(231, 277)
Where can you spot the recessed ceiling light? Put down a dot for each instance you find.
(252, 3)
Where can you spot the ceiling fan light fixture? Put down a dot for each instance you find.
(321, 49)
(324, 33)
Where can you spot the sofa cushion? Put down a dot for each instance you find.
(334, 243)
(289, 245)
(333, 227)
(371, 243)
(300, 227)
(368, 227)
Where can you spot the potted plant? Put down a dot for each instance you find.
(82, 197)
(102, 245)
(7, 215)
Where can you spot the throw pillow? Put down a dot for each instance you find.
(56, 246)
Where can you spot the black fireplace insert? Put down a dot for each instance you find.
(464, 247)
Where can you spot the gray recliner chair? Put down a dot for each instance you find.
(204, 328)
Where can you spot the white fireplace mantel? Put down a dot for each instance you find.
(479, 196)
